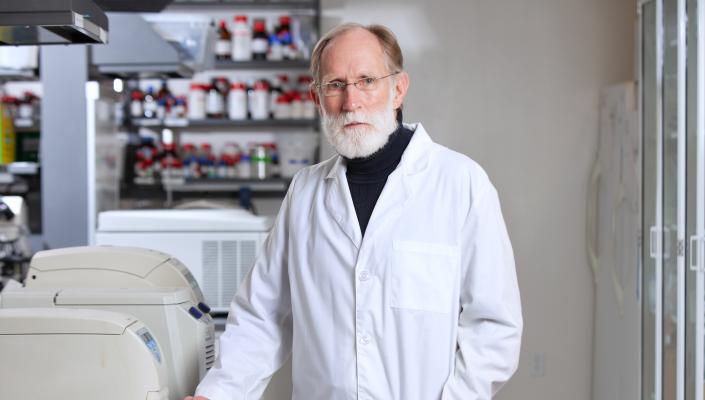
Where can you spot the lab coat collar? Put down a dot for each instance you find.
(393, 197)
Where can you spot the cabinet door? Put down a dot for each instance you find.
(651, 86)
(673, 207)
(695, 199)
(663, 127)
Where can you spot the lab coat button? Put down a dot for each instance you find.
(364, 275)
(364, 340)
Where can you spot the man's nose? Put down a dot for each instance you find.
(352, 97)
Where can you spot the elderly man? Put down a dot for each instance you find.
(388, 273)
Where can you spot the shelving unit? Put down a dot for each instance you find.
(169, 191)
(224, 123)
(23, 177)
(229, 185)
(273, 187)
(27, 124)
(7, 75)
(247, 4)
(261, 65)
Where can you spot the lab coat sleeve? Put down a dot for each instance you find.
(258, 333)
(490, 322)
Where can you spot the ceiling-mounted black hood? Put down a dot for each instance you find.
(133, 5)
(25, 22)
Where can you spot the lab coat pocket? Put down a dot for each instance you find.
(423, 276)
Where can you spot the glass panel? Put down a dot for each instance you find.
(650, 129)
(670, 199)
(691, 129)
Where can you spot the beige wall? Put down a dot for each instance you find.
(514, 85)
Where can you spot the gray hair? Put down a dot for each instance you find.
(393, 56)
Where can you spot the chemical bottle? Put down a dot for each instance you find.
(241, 39)
(149, 105)
(260, 41)
(223, 49)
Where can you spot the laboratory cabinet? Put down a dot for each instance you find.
(672, 268)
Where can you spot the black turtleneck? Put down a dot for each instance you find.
(367, 176)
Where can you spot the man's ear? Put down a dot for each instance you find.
(314, 94)
(401, 86)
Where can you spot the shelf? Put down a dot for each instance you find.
(271, 186)
(225, 123)
(7, 74)
(245, 4)
(261, 64)
(229, 185)
(26, 124)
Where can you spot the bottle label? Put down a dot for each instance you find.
(259, 46)
(222, 47)
(241, 48)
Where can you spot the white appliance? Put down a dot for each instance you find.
(185, 334)
(219, 246)
(64, 354)
(110, 267)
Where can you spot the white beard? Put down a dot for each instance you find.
(360, 141)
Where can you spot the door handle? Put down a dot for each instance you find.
(653, 242)
(695, 261)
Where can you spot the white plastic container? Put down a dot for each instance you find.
(197, 101)
(260, 101)
(242, 38)
(282, 107)
(296, 150)
(237, 101)
(297, 107)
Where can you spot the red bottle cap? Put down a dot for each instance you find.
(241, 18)
(261, 85)
(285, 20)
(259, 26)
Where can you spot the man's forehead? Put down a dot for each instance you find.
(356, 49)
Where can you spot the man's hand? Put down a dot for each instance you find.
(196, 398)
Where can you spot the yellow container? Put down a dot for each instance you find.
(7, 136)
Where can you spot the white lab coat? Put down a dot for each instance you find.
(425, 307)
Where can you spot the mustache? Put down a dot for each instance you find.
(345, 118)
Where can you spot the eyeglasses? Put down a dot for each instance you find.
(336, 88)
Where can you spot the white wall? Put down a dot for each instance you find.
(514, 85)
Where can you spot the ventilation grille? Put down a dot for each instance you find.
(225, 264)
(230, 265)
(211, 272)
(210, 352)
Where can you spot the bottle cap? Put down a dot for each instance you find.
(261, 85)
